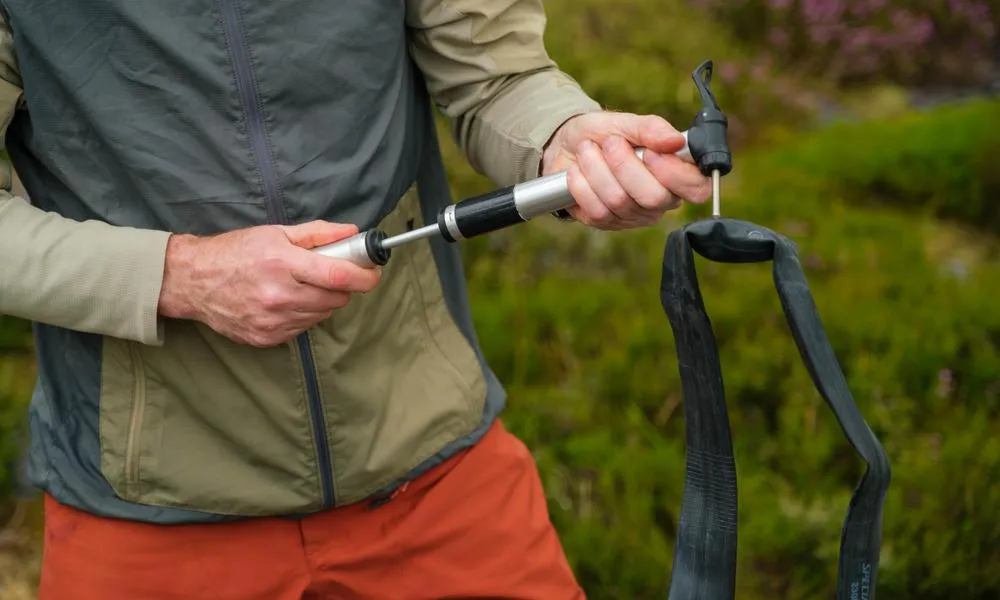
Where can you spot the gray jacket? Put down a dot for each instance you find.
(128, 120)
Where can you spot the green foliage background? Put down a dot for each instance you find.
(895, 213)
(908, 302)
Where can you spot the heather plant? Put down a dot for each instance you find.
(857, 41)
(637, 55)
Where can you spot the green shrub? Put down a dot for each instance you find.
(15, 382)
(15, 334)
(571, 320)
(15, 391)
(941, 163)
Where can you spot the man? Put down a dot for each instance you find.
(222, 413)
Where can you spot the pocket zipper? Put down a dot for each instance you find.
(138, 408)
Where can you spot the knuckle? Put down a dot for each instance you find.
(656, 121)
(373, 280)
(266, 327)
(616, 162)
(618, 199)
(616, 152)
(272, 264)
(656, 198)
(600, 215)
(578, 186)
(340, 300)
(612, 156)
(671, 169)
(652, 217)
(260, 340)
(272, 257)
(664, 199)
(588, 151)
(703, 191)
(272, 298)
(338, 276)
(574, 181)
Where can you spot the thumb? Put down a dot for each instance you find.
(318, 233)
(649, 131)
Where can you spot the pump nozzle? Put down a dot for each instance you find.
(708, 138)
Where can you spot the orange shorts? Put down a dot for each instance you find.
(476, 526)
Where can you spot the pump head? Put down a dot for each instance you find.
(708, 136)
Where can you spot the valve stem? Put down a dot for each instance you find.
(716, 202)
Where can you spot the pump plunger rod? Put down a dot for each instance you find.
(706, 145)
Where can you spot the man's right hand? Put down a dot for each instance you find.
(262, 285)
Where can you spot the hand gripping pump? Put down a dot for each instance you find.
(706, 145)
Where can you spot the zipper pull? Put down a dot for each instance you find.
(378, 502)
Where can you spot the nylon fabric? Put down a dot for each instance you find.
(704, 566)
(146, 181)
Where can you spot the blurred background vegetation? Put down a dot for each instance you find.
(869, 133)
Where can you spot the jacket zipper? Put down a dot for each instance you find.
(246, 83)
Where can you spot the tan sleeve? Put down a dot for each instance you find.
(487, 69)
(87, 276)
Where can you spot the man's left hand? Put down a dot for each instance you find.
(613, 188)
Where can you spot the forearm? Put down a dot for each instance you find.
(86, 276)
(504, 137)
(487, 69)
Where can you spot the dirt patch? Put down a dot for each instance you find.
(20, 556)
(19, 573)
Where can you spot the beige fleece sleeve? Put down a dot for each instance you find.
(487, 69)
(87, 276)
